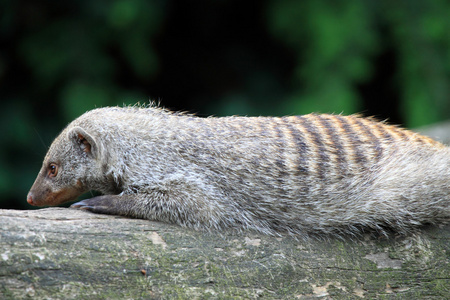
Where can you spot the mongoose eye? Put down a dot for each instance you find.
(52, 170)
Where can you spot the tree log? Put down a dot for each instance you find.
(62, 253)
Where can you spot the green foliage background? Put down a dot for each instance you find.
(59, 59)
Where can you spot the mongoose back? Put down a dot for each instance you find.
(297, 175)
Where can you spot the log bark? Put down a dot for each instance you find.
(62, 253)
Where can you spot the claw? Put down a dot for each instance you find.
(80, 204)
(83, 205)
(89, 208)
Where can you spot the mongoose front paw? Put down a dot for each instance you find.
(100, 204)
(81, 204)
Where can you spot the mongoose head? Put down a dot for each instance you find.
(72, 158)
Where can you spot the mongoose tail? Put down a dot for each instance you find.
(296, 175)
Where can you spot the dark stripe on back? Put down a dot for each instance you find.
(376, 143)
(400, 132)
(387, 137)
(359, 156)
(318, 145)
(336, 144)
(301, 147)
(281, 142)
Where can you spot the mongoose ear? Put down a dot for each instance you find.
(86, 142)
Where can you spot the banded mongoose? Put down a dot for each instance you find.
(297, 175)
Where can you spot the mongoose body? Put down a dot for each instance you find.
(298, 175)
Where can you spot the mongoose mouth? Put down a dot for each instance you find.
(53, 198)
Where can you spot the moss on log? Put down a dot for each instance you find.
(61, 253)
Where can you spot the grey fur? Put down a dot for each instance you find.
(303, 175)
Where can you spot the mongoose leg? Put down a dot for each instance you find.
(158, 206)
(146, 206)
(153, 206)
(107, 204)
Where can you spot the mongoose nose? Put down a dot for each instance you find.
(30, 199)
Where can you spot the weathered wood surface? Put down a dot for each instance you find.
(62, 253)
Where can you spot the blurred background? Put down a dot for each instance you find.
(58, 59)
